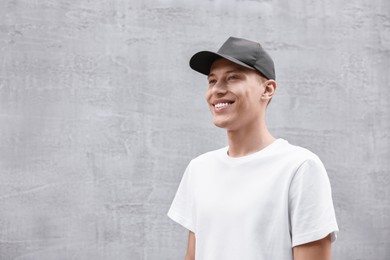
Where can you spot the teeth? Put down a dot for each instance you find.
(221, 105)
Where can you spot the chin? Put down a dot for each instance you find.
(221, 124)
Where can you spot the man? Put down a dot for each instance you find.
(259, 198)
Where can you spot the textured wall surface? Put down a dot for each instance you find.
(100, 114)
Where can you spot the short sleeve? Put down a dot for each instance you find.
(312, 215)
(182, 208)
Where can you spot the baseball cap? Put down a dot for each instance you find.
(240, 51)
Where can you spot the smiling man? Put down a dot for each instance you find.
(260, 197)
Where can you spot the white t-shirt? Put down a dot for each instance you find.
(255, 207)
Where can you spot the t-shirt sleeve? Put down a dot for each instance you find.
(182, 208)
(312, 215)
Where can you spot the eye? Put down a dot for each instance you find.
(212, 81)
(233, 77)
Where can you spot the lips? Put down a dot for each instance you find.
(222, 103)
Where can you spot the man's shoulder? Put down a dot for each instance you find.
(208, 156)
(298, 152)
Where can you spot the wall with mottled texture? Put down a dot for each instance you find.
(100, 114)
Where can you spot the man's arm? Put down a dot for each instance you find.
(190, 255)
(318, 250)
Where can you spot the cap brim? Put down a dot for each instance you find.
(202, 61)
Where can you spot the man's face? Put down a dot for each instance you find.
(234, 95)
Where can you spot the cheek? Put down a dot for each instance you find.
(250, 97)
(254, 94)
(252, 101)
(207, 95)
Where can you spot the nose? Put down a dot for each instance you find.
(219, 88)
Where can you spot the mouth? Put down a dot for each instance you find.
(222, 104)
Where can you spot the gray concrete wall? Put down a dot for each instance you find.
(100, 114)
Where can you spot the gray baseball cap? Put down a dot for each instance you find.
(240, 51)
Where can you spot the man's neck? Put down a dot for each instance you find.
(249, 140)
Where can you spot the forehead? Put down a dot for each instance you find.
(224, 65)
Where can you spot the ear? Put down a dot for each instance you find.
(269, 90)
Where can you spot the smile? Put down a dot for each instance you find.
(221, 105)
